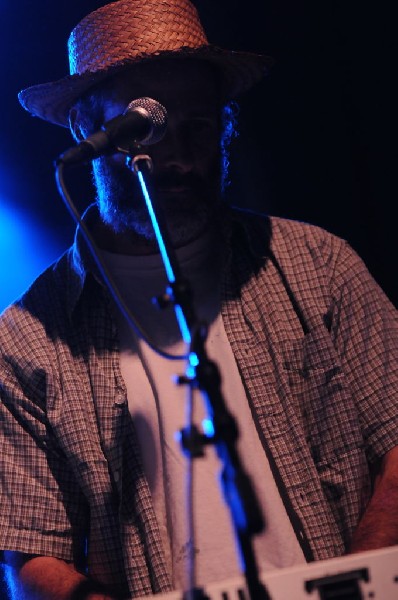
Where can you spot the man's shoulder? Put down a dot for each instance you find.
(44, 296)
(284, 234)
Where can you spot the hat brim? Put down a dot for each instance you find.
(52, 101)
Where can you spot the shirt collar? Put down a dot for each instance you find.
(82, 261)
(252, 228)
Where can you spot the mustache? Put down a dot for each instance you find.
(120, 181)
(171, 179)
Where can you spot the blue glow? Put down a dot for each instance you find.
(186, 335)
(159, 237)
(190, 371)
(208, 427)
(8, 574)
(193, 362)
(193, 359)
(26, 249)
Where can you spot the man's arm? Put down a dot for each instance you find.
(378, 527)
(48, 578)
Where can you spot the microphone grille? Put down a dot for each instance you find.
(156, 114)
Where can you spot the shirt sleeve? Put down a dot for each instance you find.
(365, 330)
(42, 508)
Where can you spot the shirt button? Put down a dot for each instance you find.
(273, 422)
(120, 397)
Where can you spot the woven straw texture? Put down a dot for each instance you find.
(118, 32)
(121, 34)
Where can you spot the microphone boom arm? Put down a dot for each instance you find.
(203, 374)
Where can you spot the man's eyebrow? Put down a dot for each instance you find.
(201, 114)
(202, 110)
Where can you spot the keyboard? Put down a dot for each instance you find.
(371, 575)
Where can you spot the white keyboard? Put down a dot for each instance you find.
(371, 575)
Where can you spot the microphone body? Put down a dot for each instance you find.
(143, 122)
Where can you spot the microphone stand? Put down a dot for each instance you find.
(203, 374)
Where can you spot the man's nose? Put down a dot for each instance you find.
(173, 151)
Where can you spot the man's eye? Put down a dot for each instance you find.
(201, 125)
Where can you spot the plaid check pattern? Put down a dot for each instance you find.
(315, 340)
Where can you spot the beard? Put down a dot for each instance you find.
(187, 201)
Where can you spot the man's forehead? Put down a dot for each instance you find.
(168, 78)
(179, 69)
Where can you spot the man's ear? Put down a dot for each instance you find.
(74, 125)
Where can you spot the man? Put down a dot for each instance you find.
(93, 483)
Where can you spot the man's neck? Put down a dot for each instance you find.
(127, 242)
(133, 244)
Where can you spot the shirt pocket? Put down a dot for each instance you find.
(326, 409)
(319, 392)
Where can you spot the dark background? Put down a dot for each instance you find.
(317, 138)
(316, 142)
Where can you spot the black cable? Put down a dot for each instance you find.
(59, 175)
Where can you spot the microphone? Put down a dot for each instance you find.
(143, 122)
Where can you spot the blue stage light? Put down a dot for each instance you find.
(26, 249)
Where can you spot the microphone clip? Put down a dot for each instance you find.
(139, 162)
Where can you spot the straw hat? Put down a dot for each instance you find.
(124, 33)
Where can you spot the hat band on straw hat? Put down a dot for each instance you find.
(127, 32)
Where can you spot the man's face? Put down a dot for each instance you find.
(186, 162)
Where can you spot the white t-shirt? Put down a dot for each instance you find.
(159, 410)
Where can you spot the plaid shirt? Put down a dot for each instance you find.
(315, 340)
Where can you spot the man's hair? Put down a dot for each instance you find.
(229, 131)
